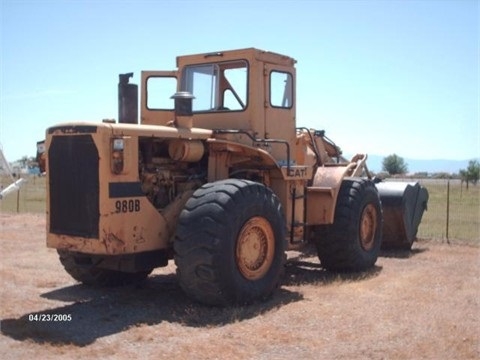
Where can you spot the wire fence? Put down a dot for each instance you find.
(29, 199)
(453, 210)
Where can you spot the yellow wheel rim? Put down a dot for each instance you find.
(368, 227)
(255, 248)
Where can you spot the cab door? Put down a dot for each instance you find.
(157, 107)
(280, 108)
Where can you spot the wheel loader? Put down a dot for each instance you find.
(214, 173)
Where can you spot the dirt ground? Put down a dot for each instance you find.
(423, 304)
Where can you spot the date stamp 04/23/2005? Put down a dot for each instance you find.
(50, 317)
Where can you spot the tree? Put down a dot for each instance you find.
(471, 173)
(24, 161)
(394, 164)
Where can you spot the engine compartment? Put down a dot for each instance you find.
(163, 178)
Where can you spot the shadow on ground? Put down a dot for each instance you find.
(300, 272)
(96, 313)
(401, 254)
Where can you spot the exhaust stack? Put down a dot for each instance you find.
(127, 100)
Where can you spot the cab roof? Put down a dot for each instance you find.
(250, 54)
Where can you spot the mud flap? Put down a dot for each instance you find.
(403, 205)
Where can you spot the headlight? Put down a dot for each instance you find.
(118, 146)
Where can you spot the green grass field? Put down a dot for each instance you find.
(30, 198)
(464, 213)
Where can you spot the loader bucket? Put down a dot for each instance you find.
(403, 206)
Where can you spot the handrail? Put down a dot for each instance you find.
(251, 137)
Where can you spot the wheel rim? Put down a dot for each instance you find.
(255, 248)
(368, 227)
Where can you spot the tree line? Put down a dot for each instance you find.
(396, 165)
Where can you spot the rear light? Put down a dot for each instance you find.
(117, 162)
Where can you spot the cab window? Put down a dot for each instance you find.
(218, 86)
(159, 92)
(281, 89)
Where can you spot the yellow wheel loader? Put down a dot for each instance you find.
(214, 173)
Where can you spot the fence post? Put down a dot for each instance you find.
(448, 210)
(18, 201)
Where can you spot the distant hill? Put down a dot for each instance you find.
(374, 163)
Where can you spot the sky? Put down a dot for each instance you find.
(381, 77)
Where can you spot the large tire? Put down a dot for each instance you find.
(353, 241)
(230, 243)
(83, 269)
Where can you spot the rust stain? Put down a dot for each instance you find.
(112, 242)
(66, 243)
(138, 235)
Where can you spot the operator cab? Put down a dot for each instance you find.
(249, 90)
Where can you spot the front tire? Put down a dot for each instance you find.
(230, 243)
(352, 242)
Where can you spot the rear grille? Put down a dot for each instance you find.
(74, 186)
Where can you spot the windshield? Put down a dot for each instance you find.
(218, 86)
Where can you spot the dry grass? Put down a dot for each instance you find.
(422, 304)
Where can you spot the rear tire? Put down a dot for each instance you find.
(230, 243)
(352, 242)
(82, 268)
